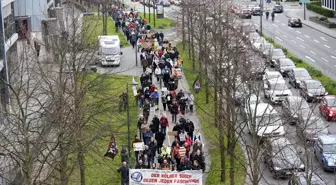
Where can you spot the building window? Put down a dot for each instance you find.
(9, 26)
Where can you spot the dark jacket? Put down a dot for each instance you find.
(155, 125)
(174, 108)
(159, 137)
(124, 171)
(189, 127)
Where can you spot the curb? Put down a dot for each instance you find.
(313, 27)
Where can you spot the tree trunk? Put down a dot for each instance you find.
(221, 132)
(183, 29)
(192, 42)
(81, 162)
(63, 163)
(149, 14)
(206, 66)
(189, 35)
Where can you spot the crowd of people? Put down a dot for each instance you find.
(161, 63)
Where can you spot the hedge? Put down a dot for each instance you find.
(316, 7)
(326, 81)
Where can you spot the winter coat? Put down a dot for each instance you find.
(164, 122)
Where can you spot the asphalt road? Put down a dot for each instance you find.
(308, 44)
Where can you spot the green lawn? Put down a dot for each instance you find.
(205, 114)
(163, 23)
(100, 170)
(93, 27)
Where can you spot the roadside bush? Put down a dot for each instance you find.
(323, 18)
(314, 72)
(316, 7)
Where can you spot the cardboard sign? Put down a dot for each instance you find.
(172, 133)
(139, 146)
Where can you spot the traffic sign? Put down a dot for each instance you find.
(304, 1)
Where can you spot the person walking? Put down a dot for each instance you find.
(155, 126)
(174, 111)
(124, 173)
(164, 100)
(146, 110)
(164, 124)
(191, 102)
(159, 137)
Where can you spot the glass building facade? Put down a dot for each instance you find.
(329, 4)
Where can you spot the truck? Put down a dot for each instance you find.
(109, 50)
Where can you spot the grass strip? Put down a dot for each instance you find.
(160, 23)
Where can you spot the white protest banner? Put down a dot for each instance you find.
(164, 177)
(138, 146)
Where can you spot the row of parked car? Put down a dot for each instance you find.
(165, 3)
(281, 158)
(252, 10)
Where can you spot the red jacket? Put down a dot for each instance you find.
(164, 122)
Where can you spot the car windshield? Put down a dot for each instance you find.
(329, 149)
(315, 124)
(302, 105)
(314, 85)
(302, 73)
(286, 62)
(278, 53)
(331, 102)
(279, 86)
(268, 120)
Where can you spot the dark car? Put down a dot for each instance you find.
(311, 128)
(281, 158)
(256, 11)
(294, 22)
(328, 107)
(295, 109)
(278, 9)
(284, 65)
(296, 75)
(312, 90)
(301, 179)
(274, 55)
(245, 14)
(325, 151)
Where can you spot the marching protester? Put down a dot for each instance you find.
(124, 173)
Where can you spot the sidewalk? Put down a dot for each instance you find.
(300, 14)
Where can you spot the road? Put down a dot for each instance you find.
(308, 44)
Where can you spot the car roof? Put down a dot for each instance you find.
(312, 80)
(328, 139)
(277, 81)
(272, 72)
(299, 69)
(328, 97)
(282, 141)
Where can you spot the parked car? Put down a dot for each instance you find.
(275, 54)
(312, 90)
(284, 65)
(245, 14)
(295, 109)
(311, 128)
(267, 120)
(266, 49)
(328, 107)
(256, 10)
(281, 158)
(235, 9)
(269, 75)
(241, 91)
(294, 22)
(278, 9)
(276, 90)
(325, 151)
(296, 75)
(257, 44)
(257, 69)
(253, 37)
(301, 179)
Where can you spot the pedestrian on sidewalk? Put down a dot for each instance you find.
(155, 98)
(197, 135)
(141, 121)
(164, 124)
(183, 104)
(164, 100)
(189, 128)
(152, 145)
(147, 135)
(159, 137)
(136, 140)
(124, 173)
(155, 126)
(37, 47)
(174, 111)
(124, 155)
(169, 99)
(191, 102)
(146, 109)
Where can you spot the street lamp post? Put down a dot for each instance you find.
(262, 13)
(134, 83)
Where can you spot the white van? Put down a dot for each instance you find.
(267, 122)
(109, 50)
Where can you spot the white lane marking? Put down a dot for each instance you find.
(277, 32)
(333, 57)
(276, 21)
(283, 24)
(307, 36)
(298, 31)
(275, 25)
(285, 36)
(299, 38)
(293, 41)
(256, 25)
(327, 46)
(325, 60)
(290, 28)
(323, 39)
(310, 58)
(313, 52)
(317, 41)
(302, 46)
(278, 38)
